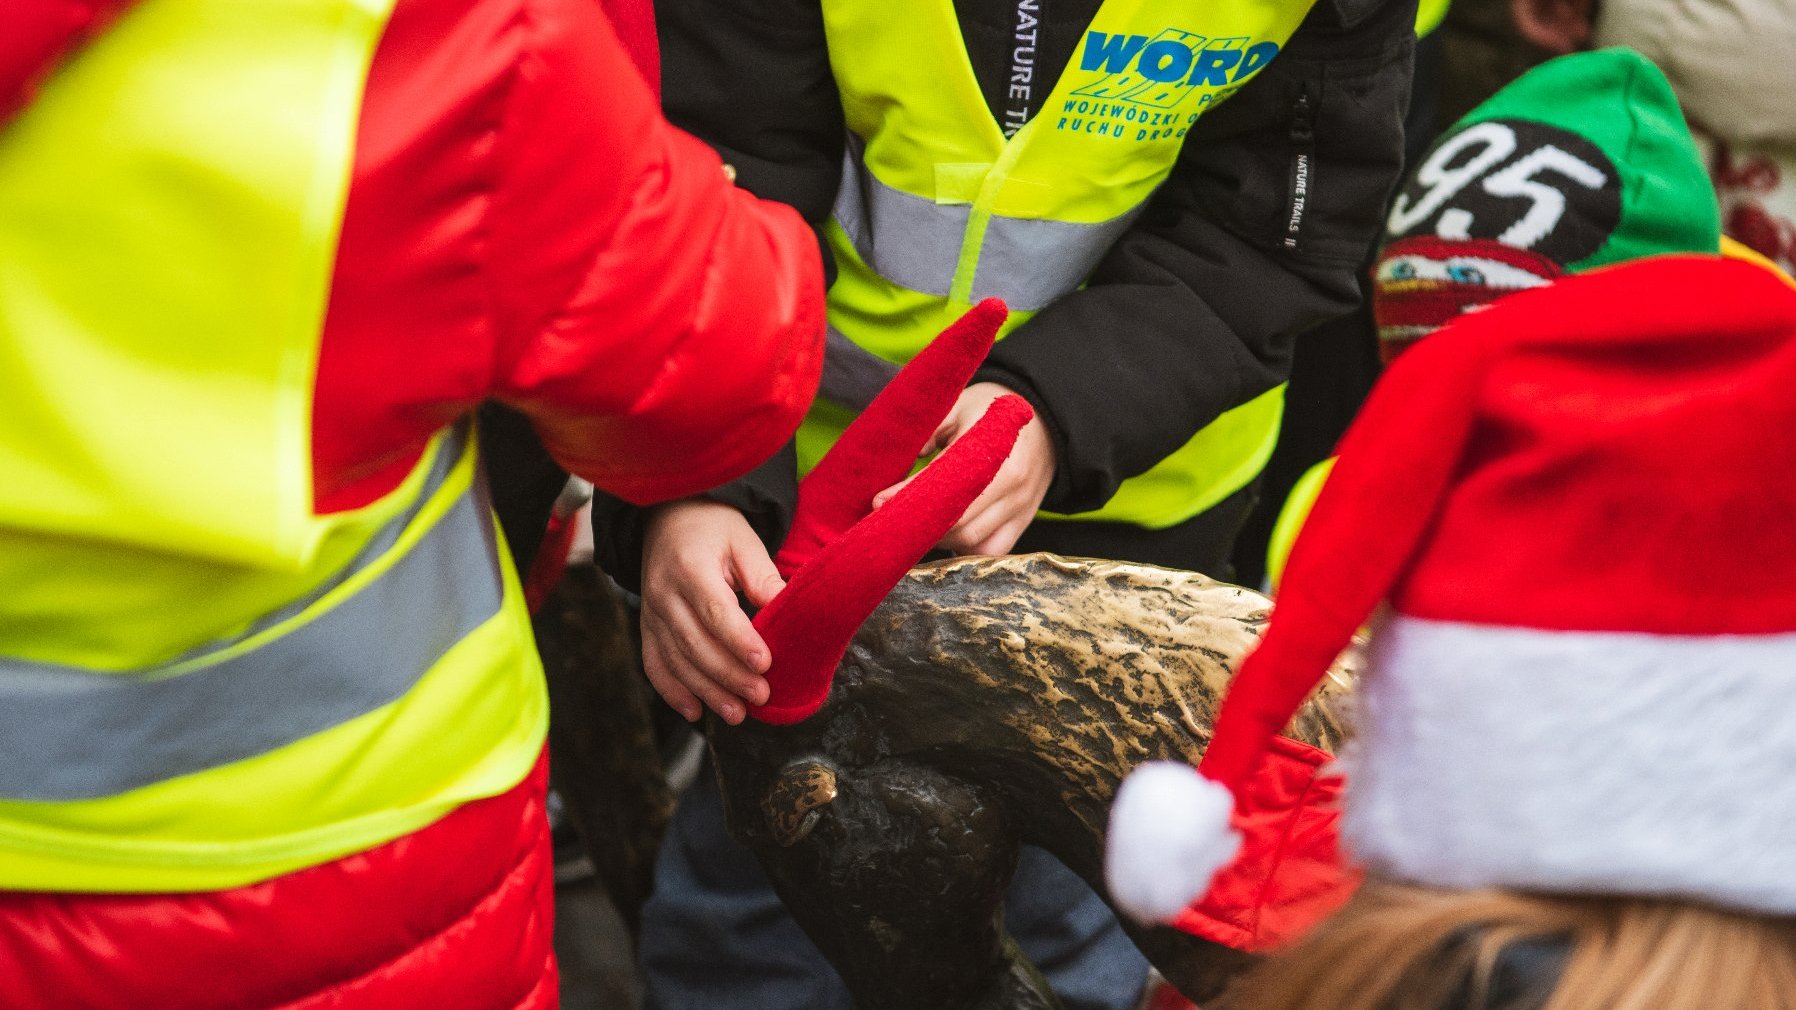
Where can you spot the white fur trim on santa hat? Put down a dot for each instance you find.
(1169, 834)
(1580, 762)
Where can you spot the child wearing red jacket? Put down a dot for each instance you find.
(501, 214)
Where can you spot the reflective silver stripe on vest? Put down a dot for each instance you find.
(908, 240)
(1031, 262)
(68, 733)
(915, 242)
(852, 375)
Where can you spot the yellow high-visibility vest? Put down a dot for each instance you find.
(202, 683)
(1429, 15)
(938, 209)
(1291, 517)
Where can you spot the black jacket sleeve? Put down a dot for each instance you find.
(525, 480)
(1195, 309)
(752, 79)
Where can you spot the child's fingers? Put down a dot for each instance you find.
(662, 679)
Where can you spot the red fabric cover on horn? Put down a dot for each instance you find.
(883, 443)
(808, 625)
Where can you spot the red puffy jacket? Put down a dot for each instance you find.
(522, 225)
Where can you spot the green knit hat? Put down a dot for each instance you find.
(1582, 162)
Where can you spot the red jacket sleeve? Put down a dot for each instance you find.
(634, 22)
(522, 224)
(662, 328)
(36, 34)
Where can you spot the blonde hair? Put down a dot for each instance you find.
(1397, 947)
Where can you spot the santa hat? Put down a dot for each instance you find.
(1580, 163)
(1580, 507)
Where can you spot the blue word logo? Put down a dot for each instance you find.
(1161, 71)
(1144, 91)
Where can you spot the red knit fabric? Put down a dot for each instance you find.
(457, 915)
(883, 443)
(808, 625)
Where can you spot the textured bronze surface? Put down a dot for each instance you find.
(792, 806)
(989, 702)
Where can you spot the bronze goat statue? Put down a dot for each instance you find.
(988, 703)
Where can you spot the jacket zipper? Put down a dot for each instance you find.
(1303, 157)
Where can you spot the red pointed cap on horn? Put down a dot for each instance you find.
(839, 560)
(883, 443)
(808, 625)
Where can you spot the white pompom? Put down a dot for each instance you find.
(1169, 834)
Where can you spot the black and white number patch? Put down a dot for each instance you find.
(1521, 183)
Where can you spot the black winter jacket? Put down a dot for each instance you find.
(1192, 312)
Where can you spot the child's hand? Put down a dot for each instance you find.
(696, 641)
(992, 524)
